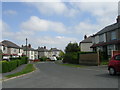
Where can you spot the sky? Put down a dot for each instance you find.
(54, 24)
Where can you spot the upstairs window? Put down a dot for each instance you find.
(101, 38)
(113, 35)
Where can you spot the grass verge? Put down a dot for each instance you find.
(27, 69)
(73, 65)
(104, 63)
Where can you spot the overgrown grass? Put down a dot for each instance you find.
(27, 69)
(104, 63)
(73, 65)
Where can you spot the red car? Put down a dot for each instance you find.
(114, 65)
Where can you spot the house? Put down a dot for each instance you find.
(3, 48)
(11, 48)
(86, 44)
(42, 51)
(32, 54)
(55, 52)
(107, 39)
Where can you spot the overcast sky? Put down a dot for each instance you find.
(54, 24)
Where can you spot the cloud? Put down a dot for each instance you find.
(37, 24)
(54, 8)
(10, 12)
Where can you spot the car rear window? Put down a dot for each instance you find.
(117, 57)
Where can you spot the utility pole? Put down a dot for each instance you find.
(26, 46)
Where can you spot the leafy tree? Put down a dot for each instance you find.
(71, 53)
(72, 47)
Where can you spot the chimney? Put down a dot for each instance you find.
(118, 19)
(44, 47)
(85, 36)
(29, 45)
(22, 45)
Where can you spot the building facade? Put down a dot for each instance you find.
(108, 39)
(86, 44)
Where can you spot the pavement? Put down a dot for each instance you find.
(51, 75)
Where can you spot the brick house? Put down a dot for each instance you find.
(107, 39)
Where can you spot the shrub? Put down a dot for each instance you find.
(71, 58)
(11, 65)
(5, 66)
(43, 58)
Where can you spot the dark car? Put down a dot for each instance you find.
(114, 65)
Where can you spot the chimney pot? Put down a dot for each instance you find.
(118, 19)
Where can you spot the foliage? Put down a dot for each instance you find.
(72, 47)
(8, 66)
(86, 52)
(71, 53)
(71, 57)
(103, 55)
(27, 69)
(61, 54)
(43, 58)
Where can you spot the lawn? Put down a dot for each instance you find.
(27, 69)
(73, 65)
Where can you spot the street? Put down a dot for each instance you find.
(51, 75)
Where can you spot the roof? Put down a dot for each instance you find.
(87, 40)
(109, 28)
(28, 48)
(54, 49)
(106, 43)
(10, 44)
(42, 49)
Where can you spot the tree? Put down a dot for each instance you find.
(72, 47)
(71, 53)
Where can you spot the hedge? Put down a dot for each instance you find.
(8, 66)
(71, 58)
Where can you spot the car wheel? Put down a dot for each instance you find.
(112, 71)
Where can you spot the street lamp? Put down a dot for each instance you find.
(26, 46)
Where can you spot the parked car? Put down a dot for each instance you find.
(114, 65)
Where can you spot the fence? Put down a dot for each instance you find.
(89, 59)
(115, 52)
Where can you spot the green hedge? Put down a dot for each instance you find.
(8, 66)
(71, 58)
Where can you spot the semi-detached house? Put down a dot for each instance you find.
(108, 39)
(11, 48)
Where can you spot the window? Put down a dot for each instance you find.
(3, 48)
(14, 50)
(101, 38)
(113, 35)
(117, 57)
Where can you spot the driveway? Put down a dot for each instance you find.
(51, 75)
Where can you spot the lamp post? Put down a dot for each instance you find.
(26, 46)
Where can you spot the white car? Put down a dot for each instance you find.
(53, 58)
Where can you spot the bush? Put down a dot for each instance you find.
(71, 58)
(43, 58)
(11, 65)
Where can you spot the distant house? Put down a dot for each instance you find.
(55, 52)
(32, 54)
(43, 51)
(11, 48)
(86, 44)
(107, 39)
(3, 48)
